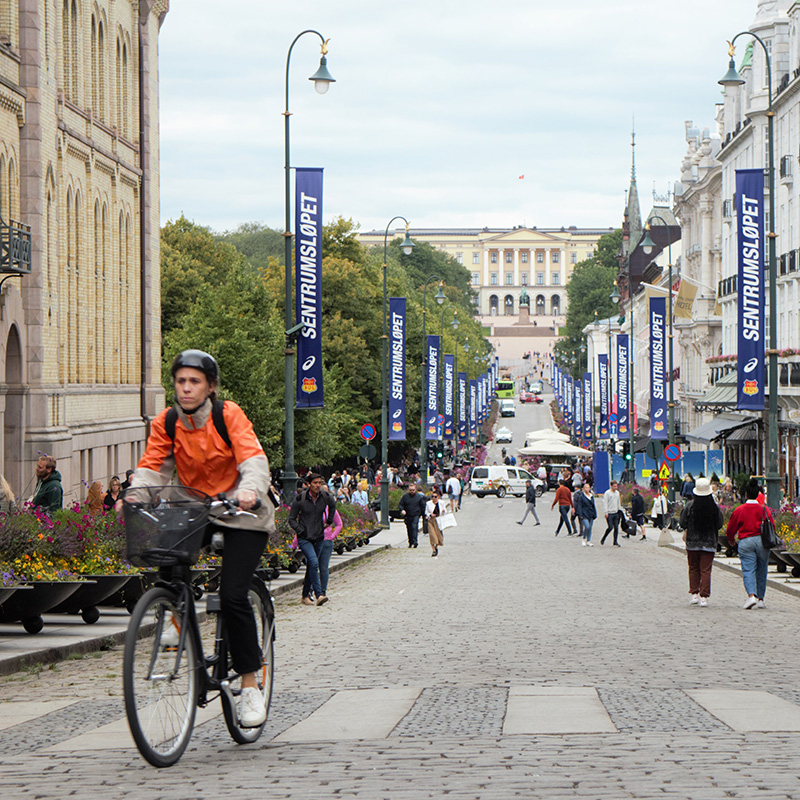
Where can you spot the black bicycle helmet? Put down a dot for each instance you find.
(197, 359)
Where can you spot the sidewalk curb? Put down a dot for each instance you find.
(55, 653)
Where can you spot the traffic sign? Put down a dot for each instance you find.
(368, 451)
(367, 432)
(440, 419)
(672, 452)
(586, 444)
(655, 449)
(663, 473)
(613, 418)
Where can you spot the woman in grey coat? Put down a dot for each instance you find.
(701, 520)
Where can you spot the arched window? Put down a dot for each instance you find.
(101, 70)
(539, 305)
(78, 358)
(508, 305)
(13, 191)
(3, 189)
(494, 303)
(555, 305)
(125, 126)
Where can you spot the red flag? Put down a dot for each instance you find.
(522, 177)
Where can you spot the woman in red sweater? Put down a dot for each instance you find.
(745, 527)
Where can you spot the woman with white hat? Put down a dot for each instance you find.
(701, 520)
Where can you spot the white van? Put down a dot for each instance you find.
(508, 408)
(501, 480)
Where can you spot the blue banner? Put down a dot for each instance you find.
(623, 365)
(308, 286)
(578, 409)
(750, 369)
(602, 382)
(397, 369)
(588, 406)
(463, 406)
(612, 404)
(473, 408)
(432, 393)
(658, 372)
(449, 395)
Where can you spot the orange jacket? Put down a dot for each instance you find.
(202, 458)
(563, 497)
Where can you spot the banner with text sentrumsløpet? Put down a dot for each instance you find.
(658, 372)
(602, 382)
(578, 408)
(473, 408)
(449, 394)
(463, 406)
(588, 406)
(308, 285)
(750, 370)
(432, 393)
(623, 362)
(397, 369)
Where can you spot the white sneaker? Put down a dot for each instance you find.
(760, 604)
(252, 711)
(583, 542)
(695, 599)
(703, 602)
(750, 602)
(589, 544)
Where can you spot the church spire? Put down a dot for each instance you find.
(632, 210)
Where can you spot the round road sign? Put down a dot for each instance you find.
(367, 432)
(672, 452)
(612, 418)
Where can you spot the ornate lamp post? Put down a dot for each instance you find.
(407, 246)
(732, 78)
(322, 80)
(423, 444)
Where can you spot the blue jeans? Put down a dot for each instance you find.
(312, 552)
(755, 560)
(586, 528)
(564, 511)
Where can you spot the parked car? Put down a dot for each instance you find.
(554, 474)
(501, 480)
(504, 435)
(525, 396)
(537, 398)
(508, 408)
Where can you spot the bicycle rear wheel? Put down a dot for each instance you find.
(264, 613)
(159, 682)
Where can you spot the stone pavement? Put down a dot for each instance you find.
(516, 664)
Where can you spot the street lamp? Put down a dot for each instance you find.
(407, 246)
(648, 246)
(732, 78)
(423, 444)
(322, 80)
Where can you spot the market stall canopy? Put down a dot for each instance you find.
(552, 447)
(547, 433)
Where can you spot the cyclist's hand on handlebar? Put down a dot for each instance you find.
(247, 499)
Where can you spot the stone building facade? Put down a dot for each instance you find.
(80, 363)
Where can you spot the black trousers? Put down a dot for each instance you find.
(614, 518)
(240, 559)
(412, 528)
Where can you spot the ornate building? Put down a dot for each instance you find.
(80, 362)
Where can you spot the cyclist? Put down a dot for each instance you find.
(198, 452)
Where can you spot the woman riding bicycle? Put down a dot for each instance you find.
(196, 449)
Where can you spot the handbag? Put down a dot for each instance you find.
(769, 537)
(446, 521)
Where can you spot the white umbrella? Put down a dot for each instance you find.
(547, 433)
(552, 447)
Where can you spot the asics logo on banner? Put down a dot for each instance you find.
(659, 413)
(750, 365)
(309, 362)
(397, 413)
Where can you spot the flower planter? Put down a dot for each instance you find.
(7, 591)
(90, 595)
(780, 564)
(28, 607)
(793, 560)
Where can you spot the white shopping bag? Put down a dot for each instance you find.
(446, 521)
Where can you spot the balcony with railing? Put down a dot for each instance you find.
(15, 248)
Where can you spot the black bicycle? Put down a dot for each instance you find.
(166, 674)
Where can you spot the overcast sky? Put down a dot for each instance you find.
(438, 107)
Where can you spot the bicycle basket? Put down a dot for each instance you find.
(164, 525)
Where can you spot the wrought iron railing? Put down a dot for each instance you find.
(15, 247)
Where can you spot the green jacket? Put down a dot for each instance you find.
(49, 494)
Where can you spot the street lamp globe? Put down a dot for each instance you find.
(614, 296)
(648, 245)
(440, 297)
(322, 78)
(455, 322)
(731, 77)
(408, 245)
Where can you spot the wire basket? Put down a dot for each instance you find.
(164, 525)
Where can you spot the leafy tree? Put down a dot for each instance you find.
(256, 241)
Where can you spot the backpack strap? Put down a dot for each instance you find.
(217, 417)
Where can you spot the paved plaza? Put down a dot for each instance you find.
(516, 664)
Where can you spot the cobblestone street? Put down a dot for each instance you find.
(593, 653)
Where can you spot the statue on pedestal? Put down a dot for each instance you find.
(524, 298)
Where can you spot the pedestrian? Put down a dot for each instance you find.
(127, 482)
(113, 493)
(637, 511)
(332, 530)
(360, 496)
(744, 527)
(563, 499)
(49, 494)
(587, 513)
(412, 507)
(453, 487)
(577, 479)
(687, 488)
(659, 511)
(434, 509)
(94, 498)
(307, 519)
(613, 512)
(701, 521)
(8, 504)
(530, 503)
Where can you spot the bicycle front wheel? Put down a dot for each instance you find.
(264, 613)
(160, 678)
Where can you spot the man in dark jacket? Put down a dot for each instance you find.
(310, 509)
(587, 513)
(412, 507)
(530, 500)
(49, 493)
